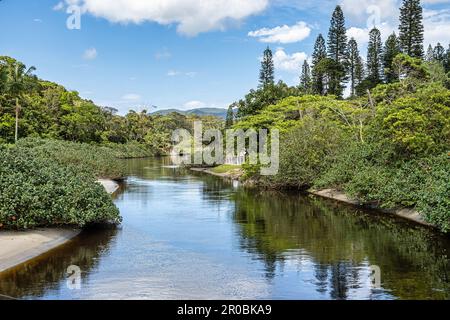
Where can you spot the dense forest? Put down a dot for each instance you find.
(386, 144)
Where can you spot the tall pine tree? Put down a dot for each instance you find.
(318, 77)
(230, 117)
(305, 78)
(374, 56)
(267, 73)
(447, 60)
(337, 50)
(411, 28)
(354, 65)
(391, 50)
(439, 53)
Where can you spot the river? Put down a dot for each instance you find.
(193, 236)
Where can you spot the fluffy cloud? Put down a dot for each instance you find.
(289, 62)
(190, 16)
(90, 54)
(283, 34)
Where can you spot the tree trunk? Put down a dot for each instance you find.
(17, 120)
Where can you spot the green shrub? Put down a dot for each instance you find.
(306, 152)
(36, 191)
(90, 159)
(416, 125)
(130, 150)
(362, 171)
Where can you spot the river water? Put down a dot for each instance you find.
(192, 236)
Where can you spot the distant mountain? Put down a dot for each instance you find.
(217, 112)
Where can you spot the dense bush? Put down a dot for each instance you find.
(130, 150)
(36, 191)
(416, 124)
(421, 183)
(306, 152)
(90, 159)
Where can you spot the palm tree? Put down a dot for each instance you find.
(19, 80)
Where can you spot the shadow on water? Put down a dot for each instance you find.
(245, 243)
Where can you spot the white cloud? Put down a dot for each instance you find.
(38, 20)
(194, 105)
(371, 10)
(283, 34)
(90, 54)
(289, 62)
(191, 16)
(131, 97)
(436, 26)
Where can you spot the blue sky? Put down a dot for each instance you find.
(183, 53)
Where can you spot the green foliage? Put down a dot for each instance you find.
(355, 66)
(320, 52)
(416, 124)
(306, 151)
(36, 191)
(291, 112)
(99, 162)
(391, 50)
(305, 78)
(257, 100)
(267, 73)
(374, 58)
(230, 117)
(411, 28)
(337, 51)
(369, 174)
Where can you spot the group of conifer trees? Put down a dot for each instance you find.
(337, 62)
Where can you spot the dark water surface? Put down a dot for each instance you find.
(192, 236)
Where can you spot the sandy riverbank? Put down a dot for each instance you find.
(18, 247)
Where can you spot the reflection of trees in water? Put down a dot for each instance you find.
(341, 240)
(45, 273)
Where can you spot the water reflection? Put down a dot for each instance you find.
(342, 243)
(193, 236)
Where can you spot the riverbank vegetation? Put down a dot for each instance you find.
(40, 186)
(386, 144)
